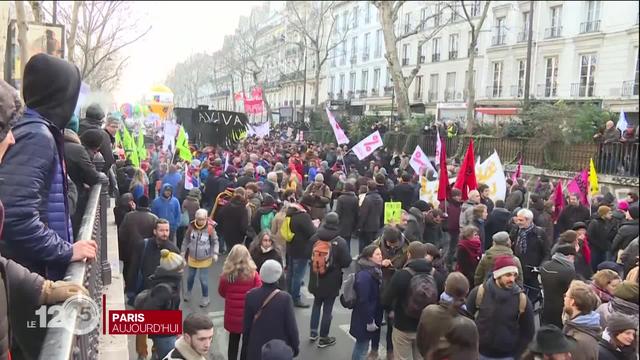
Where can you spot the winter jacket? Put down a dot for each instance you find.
(498, 220)
(160, 298)
(368, 308)
(276, 321)
(609, 351)
(617, 305)
(168, 209)
(479, 224)
(405, 194)
(200, 244)
(600, 234)
(146, 259)
(172, 179)
(183, 351)
(79, 165)
(233, 221)
(556, 277)
(191, 205)
(466, 213)
(488, 203)
(571, 215)
(328, 285)
(468, 256)
(396, 294)
(629, 255)
(122, 208)
(318, 195)
(256, 221)
(585, 329)
(397, 256)
(485, 266)
(259, 257)
(347, 209)
(433, 232)
(627, 231)
(234, 294)
(93, 120)
(371, 210)
(435, 322)
(535, 252)
(453, 220)
(269, 187)
(136, 226)
(503, 331)
(514, 200)
(303, 228)
(414, 231)
(545, 221)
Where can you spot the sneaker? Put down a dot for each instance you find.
(313, 337)
(300, 304)
(204, 302)
(326, 341)
(373, 355)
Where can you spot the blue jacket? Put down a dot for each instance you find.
(172, 179)
(37, 231)
(368, 307)
(168, 209)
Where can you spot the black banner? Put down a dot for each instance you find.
(213, 127)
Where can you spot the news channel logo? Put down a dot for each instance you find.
(80, 310)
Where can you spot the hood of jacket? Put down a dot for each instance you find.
(498, 250)
(94, 114)
(71, 137)
(166, 187)
(624, 306)
(51, 87)
(587, 323)
(417, 214)
(420, 266)
(327, 234)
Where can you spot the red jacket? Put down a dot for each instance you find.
(234, 294)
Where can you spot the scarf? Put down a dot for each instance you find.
(564, 260)
(448, 299)
(373, 268)
(521, 243)
(266, 250)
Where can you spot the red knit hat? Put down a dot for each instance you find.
(503, 265)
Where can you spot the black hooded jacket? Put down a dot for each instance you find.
(93, 120)
(328, 285)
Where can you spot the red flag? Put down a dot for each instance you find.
(558, 201)
(443, 176)
(518, 173)
(466, 180)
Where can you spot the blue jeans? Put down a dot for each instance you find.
(296, 272)
(203, 276)
(327, 308)
(360, 350)
(163, 345)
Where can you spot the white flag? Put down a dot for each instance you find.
(226, 160)
(420, 162)
(622, 122)
(368, 145)
(491, 172)
(438, 148)
(170, 131)
(341, 138)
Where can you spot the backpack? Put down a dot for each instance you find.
(348, 296)
(522, 301)
(265, 221)
(285, 230)
(422, 292)
(321, 257)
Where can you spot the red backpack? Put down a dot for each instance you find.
(321, 256)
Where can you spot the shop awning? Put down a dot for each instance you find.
(497, 111)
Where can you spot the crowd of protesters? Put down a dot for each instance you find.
(468, 278)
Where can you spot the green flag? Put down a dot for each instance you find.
(118, 138)
(142, 150)
(130, 148)
(182, 146)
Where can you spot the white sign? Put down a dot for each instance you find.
(259, 130)
(170, 130)
(341, 138)
(420, 162)
(368, 145)
(491, 172)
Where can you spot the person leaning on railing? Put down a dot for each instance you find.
(21, 291)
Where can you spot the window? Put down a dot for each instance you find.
(499, 35)
(433, 88)
(551, 77)
(336, 22)
(417, 94)
(455, 15)
(522, 68)
(436, 15)
(421, 57)
(453, 46)
(341, 83)
(378, 50)
(376, 79)
(523, 35)
(407, 22)
(592, 19)
(424, 14)
(355, 17)
(332, 84)
(405, 54)
(364, 80)
(556, 27)
(450, 90)
(354, 49)
(343, 55)
(496, 90)
(352, 82)
(367, 13)
(435, 54)
(345, 19)
(333, 56)
(365, 47)
(476, 8)
(587, 74)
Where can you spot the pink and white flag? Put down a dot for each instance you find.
(438, 148)
(368, 145)
(341, 138)
(420, 162)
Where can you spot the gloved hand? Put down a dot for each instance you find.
(371, 327)
(59, 291)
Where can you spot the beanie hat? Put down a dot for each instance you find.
(143, 201)
(391, 234)
(579, 225)
(633, 211)
(94, 111)
(268, 200)
(270, 271)
(611, 265)
(501, 238)
(618, 322)
(504, 265)
(623, 205)
(603, 210)
(195, 193)
(319, 178)
(332, 221)
(276, 349)
(566, 250)
(422, 205)
(171, 261)
(92, 138)
(10, 108)
(627, 290)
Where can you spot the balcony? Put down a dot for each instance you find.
(583, 90)
(340, 95)
(547, 91)
(421, 59)
(450, 95)
(553, 32)
(388, 91)
(435, 57)
(498, 39)
(523, 36)
(362, 94)
(517, 91)
(405, 61)
(453, 55)
(630, 88)
(374, 92)
(417, 95)
(590, 26)
(365, 56)
(432, 96)
(354, 59)
(494, 92)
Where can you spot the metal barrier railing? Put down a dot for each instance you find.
(63, 342)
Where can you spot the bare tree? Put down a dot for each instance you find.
(475, 26)
(388, 15)
(23, 28)
(315, 23)
(73, 29)
(188, 77)
(37, 11)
